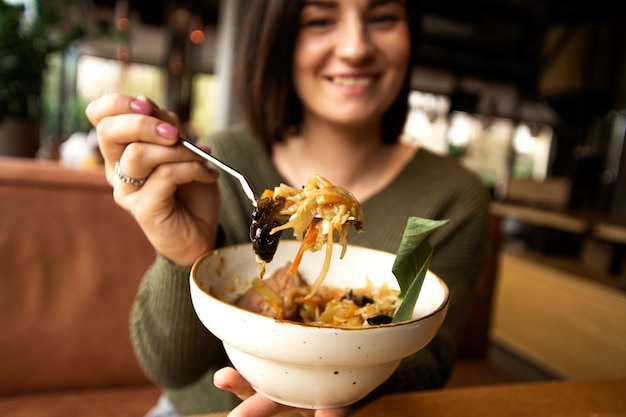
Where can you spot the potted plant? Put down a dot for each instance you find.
(27, 38)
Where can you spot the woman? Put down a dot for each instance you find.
(324, 85)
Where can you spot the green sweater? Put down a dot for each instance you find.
(179, 354)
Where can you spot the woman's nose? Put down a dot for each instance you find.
(354, 43)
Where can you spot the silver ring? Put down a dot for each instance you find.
(128, 180)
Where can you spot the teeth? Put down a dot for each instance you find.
(353, 81)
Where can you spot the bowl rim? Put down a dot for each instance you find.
(201, 258)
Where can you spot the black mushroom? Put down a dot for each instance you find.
(264, 220)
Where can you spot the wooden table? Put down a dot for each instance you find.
(599, 398)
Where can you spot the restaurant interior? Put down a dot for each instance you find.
(528, 94)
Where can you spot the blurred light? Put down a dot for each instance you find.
(196, 36)
(180, 19)
(122, 24)
(460, 130)
(176, 65)
(524, 140)
(123, 52)
(417, 124)
(31, 10)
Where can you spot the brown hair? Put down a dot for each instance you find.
(264, 70)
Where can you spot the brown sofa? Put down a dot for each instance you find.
(71, 260)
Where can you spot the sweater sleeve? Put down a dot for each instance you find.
(171, 344)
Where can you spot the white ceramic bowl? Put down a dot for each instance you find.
(302, 365)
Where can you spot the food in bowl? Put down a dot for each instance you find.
(306, 365)
(287, 296)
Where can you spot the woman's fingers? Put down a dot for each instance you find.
(139, 160)
(253, 405)
(259, 406)
(177, 208)
(169, 190)
(230, 380)
(120, 120)
(256, 405)
(156, 111)
(114, 133)
(114, 104)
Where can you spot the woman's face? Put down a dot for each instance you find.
(351, 58)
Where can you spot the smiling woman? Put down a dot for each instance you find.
(351, 62)
(276, 53)
(324, 87)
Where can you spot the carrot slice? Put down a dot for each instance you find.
(307, 243)
(267, 193)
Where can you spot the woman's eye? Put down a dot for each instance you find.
(384, 19)
(318, 23)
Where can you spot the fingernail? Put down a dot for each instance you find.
(167, 130)
(139, 106)
(204, 148)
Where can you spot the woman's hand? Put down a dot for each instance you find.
(256, 405)
(177, 205)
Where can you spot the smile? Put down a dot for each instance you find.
(352, 81)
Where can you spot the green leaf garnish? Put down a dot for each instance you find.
(411, 263)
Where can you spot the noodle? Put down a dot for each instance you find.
(316, 213)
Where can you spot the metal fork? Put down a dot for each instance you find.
(245, 184)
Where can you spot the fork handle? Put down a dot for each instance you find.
(245, 185)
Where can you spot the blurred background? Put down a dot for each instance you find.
(514, 88)
(529, 94)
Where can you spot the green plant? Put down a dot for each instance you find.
(25, 45)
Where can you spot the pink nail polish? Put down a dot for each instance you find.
(167, 130)
(139, 106)
(204, 148)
